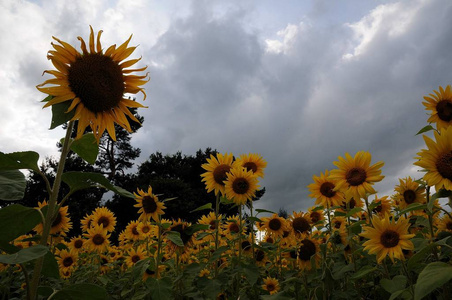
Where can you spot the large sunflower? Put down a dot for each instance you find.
(408, 192)
(437, 160)
(440, 104)
(355, 175)
(323, 191)
(103, 216)
(241, 185)
(217, 168)
(95, 82)
(252, 162)
(388, 238)
(97, 238)
(149, 204)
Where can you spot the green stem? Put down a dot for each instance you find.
(405, 269)
(252, 228)
(369, 212)
(240, 233)
(159, 245)
(27, 280)
(430, 222)
(51, 210)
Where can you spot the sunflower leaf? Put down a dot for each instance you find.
(258, 210)
(12, 185)
(86, 147)
(196, 227)
(353, 211)
(83, 180)
(19, 160)
(16, 220)
(203, 207)
(50, 266)
(174, 237)
(411, 207)
(434, 275)
(81, 291)
(425, 129)
(59, 115)
(24, 255)
(161, 289)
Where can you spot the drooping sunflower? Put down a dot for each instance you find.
(217, 168)
(149, 204)
(408, 192)
(322, 190)
(275, 225)
(94, 82)
(437, 160)
(440, 105)
(252, 162)
(60, 225)
(388, 238)
(271, 285)
(241, 185)
(355, 176)
(97, 238)
(104, 216)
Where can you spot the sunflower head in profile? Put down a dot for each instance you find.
(252, 162)
(355, 176)
(217, 168)
(388, 238)
(322, 190)
(437, 160)
(271, 285)
(94, 83)
(149, 204)
(440, 105)
(240, 185)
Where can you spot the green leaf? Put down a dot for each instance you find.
(203, 207)
(19, 160)
(86, 147)
(225, 200)
(12, 185)
(396, 294)
(434, 275)
(45, 291)
(411, 207)
(59, 115)
(81, 291)
(16, 220)
(353, 211)
(363, 272)
(8, 248)
(425, 129)
(24, 255)
(83, 180)
(396, 284)
(254, 219)
(161, 289)
(277, 296)
(196, 227)
(217, 254)
(259, 210)
(252, 273)
(419, 255)
(174, 237)
(50, 267)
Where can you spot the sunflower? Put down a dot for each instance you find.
(209, 220)
(252, 162)
(275, 225)
(104, 262)
(408, 192)
(437, 160)
(95, 83)
(232, 227)
(445, 224)
(67, 260)
(388, 238)
(185, 235)
(271, 285)
(131, 231)
(97, 238)
(77, 244)
(382, 206)
(307, 249)
(323, 191)
(86, 222)
(147, 230)
(440, 104)
(316, 215)
(60, 225)
(217, 168)
(135, 255)
(300, 223)
(241, 185)
(355, 176)
(149, 205)
(103, 216)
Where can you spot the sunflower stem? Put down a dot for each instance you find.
(50, 209)
(252, 228)
(159, 244)
(430, 222)
(217, 228)
(369, 212)
(405, 270)
(240, 234)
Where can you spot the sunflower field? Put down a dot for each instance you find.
(352, 244)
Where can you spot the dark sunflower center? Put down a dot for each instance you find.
(246, 245)
(269, 240)
(326, 189)
(213, 224)
(315, 216)
(250, 166)
(183, 234)
(78, 244)
(306, 250)
(219, 174)
(97, 80)
(444, 109)
(409, 196)
(104, 261)
(389, 238)
(300, 225)
(286, 233)
(145, 229)
(149, 204)
(270, 287)
(260, 255)
(378, 208)
(240, 186)
(449, 225)
(105, 221)
(293, 254)
(337, 224)
(57, 220)
(274, 224)
(98, 239)
(356, 176)
(68, 261)
(444, 165)
(135, 231)
(150, 272)
(135, 259)
(234, 227)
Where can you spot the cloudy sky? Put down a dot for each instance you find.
(299, 82)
